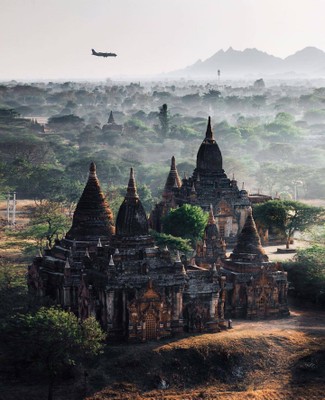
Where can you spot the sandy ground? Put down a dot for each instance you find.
(301, 319)
(271, 251)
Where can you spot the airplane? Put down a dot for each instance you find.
(100, 54)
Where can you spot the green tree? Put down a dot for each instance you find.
(187, 222)
(172, 242)
(47, 221)
(288, 216)
(211, 96)
(51, 338)
(283, 128)
(267, 176)
(145, 197)
(13, 290)
(164, 119)
(307, 274)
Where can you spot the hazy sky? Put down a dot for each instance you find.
(52, 39)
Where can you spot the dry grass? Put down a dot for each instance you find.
(230, 365)
(211, 393)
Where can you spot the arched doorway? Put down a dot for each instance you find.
(262, 307)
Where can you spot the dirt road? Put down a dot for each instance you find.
(305, 320)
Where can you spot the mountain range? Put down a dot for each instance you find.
(309, 61)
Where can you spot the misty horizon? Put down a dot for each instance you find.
(53, 40)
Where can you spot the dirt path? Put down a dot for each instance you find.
(305, 320)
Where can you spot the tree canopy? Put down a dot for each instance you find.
(47, 221)
(288, 216)
(172, 242)
(51, 338)
(307, 274)
(187, 222)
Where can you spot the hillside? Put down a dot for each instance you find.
(310, 61)
(274, 360)
(262, 360)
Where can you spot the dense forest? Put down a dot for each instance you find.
(271, 136)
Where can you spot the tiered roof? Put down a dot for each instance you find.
(249, 242)
(131, 218)
(209, 156)
(173, 179)
(92, 219)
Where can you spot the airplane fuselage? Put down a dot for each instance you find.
(100, 54)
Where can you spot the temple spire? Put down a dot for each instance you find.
(111, 118)
(211, 220)
(193, 191)
(209, 156)
(173, 165)
(249, 241)
(173, 179)
(209, 133)
(132, 188)
(111, 261)
(131, 219)
(86, 224)
(92, 170)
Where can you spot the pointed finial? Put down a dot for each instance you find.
(132, 188)
(211, 220)
(243, 186)
(193, 188)
(111, 262)
(99, 244)
(184, 176)
(173, 164)
(209, 133)
(116, 252)
(178, 257)
(92, 170)
(111, 118)
(67, 264)
(233, 176)
(166, 248)
(204, 244)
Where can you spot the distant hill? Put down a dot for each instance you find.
(308, 61)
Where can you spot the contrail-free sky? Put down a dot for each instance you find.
(52, 39)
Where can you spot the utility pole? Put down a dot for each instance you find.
(14, 210)
(8, 209)
(11, 209)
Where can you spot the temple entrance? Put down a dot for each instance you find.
(151, 327)
(262, 307)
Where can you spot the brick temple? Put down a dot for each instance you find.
(207, 186)
(139, 292)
